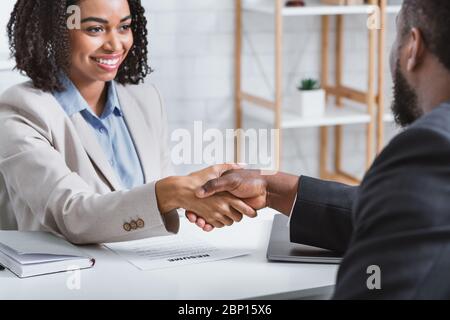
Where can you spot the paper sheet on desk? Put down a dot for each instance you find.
(170, 251)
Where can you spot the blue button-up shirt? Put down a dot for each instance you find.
(111, 131)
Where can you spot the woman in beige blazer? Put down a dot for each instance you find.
(83, 149)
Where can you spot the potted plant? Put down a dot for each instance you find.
(295, 3)
(309, 99)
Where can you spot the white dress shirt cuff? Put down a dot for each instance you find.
(292, 211)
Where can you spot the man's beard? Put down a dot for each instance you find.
(405, 105)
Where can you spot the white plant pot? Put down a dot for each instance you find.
(309, 103)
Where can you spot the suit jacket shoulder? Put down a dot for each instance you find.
(401, 221)
(33, 104)
(437, 120)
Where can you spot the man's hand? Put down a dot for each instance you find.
(248, 185)
(259, 191)
(213, 172)
(253, 192)
(201, 177)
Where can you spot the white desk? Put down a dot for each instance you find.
(239, 278)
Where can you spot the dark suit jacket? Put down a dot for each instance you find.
(397, 219)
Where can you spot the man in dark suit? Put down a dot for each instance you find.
(397, 222)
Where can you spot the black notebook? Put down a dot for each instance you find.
(282, 249)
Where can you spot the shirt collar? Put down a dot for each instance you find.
(112, 101)
(73, 102)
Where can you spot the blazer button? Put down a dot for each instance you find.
(140, 223)
(127, 227)
(133, 225)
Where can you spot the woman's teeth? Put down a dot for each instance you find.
(109, 62)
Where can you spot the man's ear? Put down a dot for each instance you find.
(415, 49)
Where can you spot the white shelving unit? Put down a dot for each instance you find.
(334, 116)
(337, 114)
(388, 118)
(393, 9)
(313, 10)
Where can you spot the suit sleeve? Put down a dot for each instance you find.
(322, 215)
(402, 223)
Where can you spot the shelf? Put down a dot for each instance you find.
(393, 9)
(334, 116)
(317, 9)
(311, 10)
(388, 117)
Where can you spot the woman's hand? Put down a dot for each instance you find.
(215, 171)
(200, 222)
(253, 193)
(222, 210)
(217, 211)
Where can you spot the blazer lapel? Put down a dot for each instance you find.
(94, 150)
(139, 129)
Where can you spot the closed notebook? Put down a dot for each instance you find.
(29, 254)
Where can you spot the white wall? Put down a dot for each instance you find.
(191, 50)
(6, 78)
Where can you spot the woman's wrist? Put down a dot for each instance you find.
(166, 194)
(174, 193)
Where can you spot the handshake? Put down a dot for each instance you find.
(223, 194)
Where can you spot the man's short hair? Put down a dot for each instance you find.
(431, 17)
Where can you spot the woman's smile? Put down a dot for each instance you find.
(108, 62)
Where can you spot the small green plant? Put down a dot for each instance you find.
(308, 85)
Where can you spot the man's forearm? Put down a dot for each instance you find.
(282, 190)
(322, 216)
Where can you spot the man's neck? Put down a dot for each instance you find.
(433, 99)
(435, 88)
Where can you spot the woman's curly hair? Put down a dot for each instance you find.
(39, 43)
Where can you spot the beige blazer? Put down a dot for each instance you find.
(55, 177)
